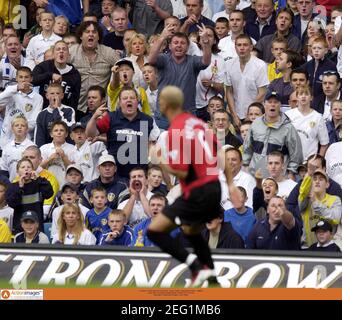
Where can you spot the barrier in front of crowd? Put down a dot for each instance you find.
(42, 265)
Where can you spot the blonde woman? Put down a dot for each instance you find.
(71, 229)
(137, 51)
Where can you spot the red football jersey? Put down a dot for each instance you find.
(192, 147)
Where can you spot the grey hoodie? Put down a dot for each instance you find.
(262, 139)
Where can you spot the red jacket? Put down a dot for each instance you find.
(328, 4)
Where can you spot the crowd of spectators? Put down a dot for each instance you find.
(79, 110)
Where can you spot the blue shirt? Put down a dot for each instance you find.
(242, 223)
(139, 234)
(132, 136)
(70, 8)
(97, 222)
(124, 239)
(280, 238)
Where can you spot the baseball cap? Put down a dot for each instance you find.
(272, 94)
(322, 225)
(106, 158)
(78, 125)
(322, 173)
(76, 167)
(69, 185)
(125, 62)
(30, 215)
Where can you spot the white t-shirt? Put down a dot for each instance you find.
(11, 154)
(285, 187)
(311, 129)
(6, 213)
(37, 47)
(57, 167)
(138, 212)
(245, 84)
(221, 14)
(227, 47)
(242, 179)
(86, 238)
(87, 157)
(334, 162)
(19, 104)
(216, 72)
(56, 214)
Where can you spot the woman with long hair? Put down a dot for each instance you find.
(71, 229)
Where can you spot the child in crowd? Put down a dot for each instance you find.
(58, 154)
(6, 213)
(155, 179)
(244, 128)
(318, 65)
(12, 152)
(309, 124)
(279, 45)
(150, 76)
(31, 233)
(255, 110)
(123, 73)
(240, 216)
(68, 195)
(120, 233)
(264, 190)
(71, 228)
(97, 218)
(54, 112)
(323, 231)
(20, 100)
(86, 153)
(61, 26)
(222, 27)
(41, 42)
(27, 194)
(316, 204)
(334, 125)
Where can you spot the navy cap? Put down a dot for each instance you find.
(125, 62)
(69, 185)
(78, 125)
(272, 94)
(30, 215)
(322, 225)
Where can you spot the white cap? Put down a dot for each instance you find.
(106, 158)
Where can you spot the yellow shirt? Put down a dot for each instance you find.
(272, 72)
(5, 232)
(310, 218)
(114, 97)
(8, 11)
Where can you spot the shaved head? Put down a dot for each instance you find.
(171, 97)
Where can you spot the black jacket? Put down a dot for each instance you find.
(228, 237)
(71, 82)
(30, 197)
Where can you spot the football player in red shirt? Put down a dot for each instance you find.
(192, 158)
